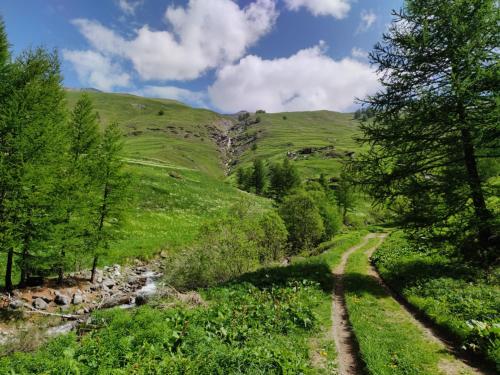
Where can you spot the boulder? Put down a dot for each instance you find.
(61, 299)
(40, 304)
(77, 299)
(16, 304)
(108, 283)
(141, 299)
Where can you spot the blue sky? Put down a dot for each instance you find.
(228, 55)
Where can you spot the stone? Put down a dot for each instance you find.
(40, 304)
(16, 304)
(141, 299)
(77, 299)
(61, 299)
(80, 312)
(47, 298)
(109, 283)
(163, 254)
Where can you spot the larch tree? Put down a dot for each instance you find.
(112, 185)
(78, 179)
(32, 118)
(435, 117)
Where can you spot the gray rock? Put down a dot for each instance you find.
(108, 283)
(77, 299)
(40, 304)
(16, 304)
(61, 299)
(80, 312)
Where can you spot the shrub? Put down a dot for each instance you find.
(228, 247)
(303, 221)
(274, 236)
(161, 112)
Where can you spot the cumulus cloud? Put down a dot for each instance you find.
(129, 6)
(368, 18)
(336, 8)
(308, 80)
(204, 35)
(172, 92)
(97, 70)
(359, 53)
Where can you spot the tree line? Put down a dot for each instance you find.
(61, 180)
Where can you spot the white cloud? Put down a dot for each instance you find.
(336, 8)
(96, 70)
(368, 18)
(308, 80)
(359, 53)
(205, 35)
(176, 93)
(129, 6)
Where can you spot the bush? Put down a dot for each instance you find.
(274, 237)
(161, 112)
(327, 209)
(303, 221)
(229, 246)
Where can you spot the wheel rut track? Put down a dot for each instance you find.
(349, 362)
(469, 364)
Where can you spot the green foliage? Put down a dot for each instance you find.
(303, 221)
(234, 243)
(430, 129)
(259, 176)
(458, 296)
(327, 209)
(32, 119)
(262, 323)
(345, 194)
(283, 178)
(274, 237)
(4, 45)
(110, 193)
(161, 112)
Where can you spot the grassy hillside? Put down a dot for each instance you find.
(179, 137)
(279, 133)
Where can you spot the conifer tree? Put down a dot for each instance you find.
(32, 117)
(259, 176)
(436, 116)
(110, 193)
(78, 179)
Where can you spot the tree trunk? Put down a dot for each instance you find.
(8, 270)
(481, 211)
(94, 268)
(60, 273)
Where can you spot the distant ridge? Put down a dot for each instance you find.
(83, 89)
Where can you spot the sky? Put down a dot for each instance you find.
(226, 55)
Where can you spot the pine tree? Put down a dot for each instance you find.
(283, 179)
(111, 193)
(78, 179)
(259, 176)
(436, 116)
(32, 117)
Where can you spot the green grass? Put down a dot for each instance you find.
(390, 343)
(276, 136)
(461, 298)
(167, 208)
(268, 322)
(180, 137)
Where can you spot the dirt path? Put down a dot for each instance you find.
(453, 366)
(347, 351)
